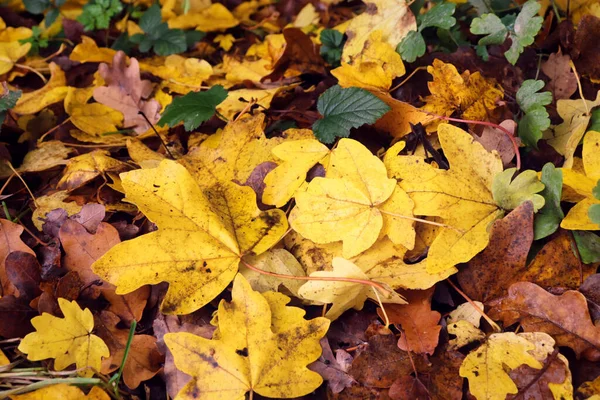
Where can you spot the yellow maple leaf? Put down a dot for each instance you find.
(374, 68)
(63, 391)
(462, 195)
(180, 74)
(343, 295)
(298, 157)
(82, 169)
(216, 17)
(94, 118)
(68, 340)
(224, 41)
(471, 95)
(279, 261)
(566, 137)
(261, 345)
(356, 203)
(583, 184)
(397, 122)
(392, 17)
(88, 51)
(10, 53)
(200, 240)
(54, 90)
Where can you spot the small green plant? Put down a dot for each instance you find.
(98, 13)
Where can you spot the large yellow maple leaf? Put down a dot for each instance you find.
(462, 195)
(472, 95)
(260, 345)
(199, 241)
(356, 202)
(68, 340)
(583, 184)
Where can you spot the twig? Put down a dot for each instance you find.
(157, 134)
(495, 326)
(407, 78)
(22, 180)
(424, 221)
(587, 109)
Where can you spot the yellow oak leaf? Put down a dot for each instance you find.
(374, 68)
(298, 157)
(466, 312)
(225, 41)
(461, 196)
(94, 118)
(356, 203)
(54, 90)
(214, 18)
(260, 345)
(45, 204)
(82, 169)
(180, 74)
(392, 17)
(63, 391)
(566, 137)
(237, 100)
(465, 333)
(583, 184)
(343, 295)
(88, 51)
(199, 241)
(486, 367)
(10, 53)
(68, 340)
(471, 95)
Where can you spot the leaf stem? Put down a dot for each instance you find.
(157, 134)
(490, 124)
(407, 78)
(587, 109)
(320, 278)
(385, 316)
(494, 326)
(114, 381)
(424, 221)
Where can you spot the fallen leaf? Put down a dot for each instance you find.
(143, 360)
(63, 391)
(88, 51)
(23, 272)
(95, 118)
(420, 330)
(19, 313)
(565, 317)
(510, 193)
(278, 261)
(397, 122)
(467, 312)
(45, 204)
(10, 53)
(10, 240)
(495, 139)
(169, 196)
(54, 91)
(181, 74)
(86, 167)
(465, 332)
(68, 340)
(562, 80)
(45, 156)
(462, 195)
(126, 92)
(214, 18)
(333, 369)
(300, 55)
(254, 334)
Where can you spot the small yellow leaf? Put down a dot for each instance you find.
(238, 71)
(260, 345)
(462, 195)
(234, 103)
(10, 53)
(471, 95)
(298, 156)
(486, 368)
(47, 155)
(225, 41)
(47, 203)
(15, 34)
(53, 92)
(180, 74)
(95, 118)
(82, 169)
(307, 16)
(392, 17)
(214, 18)
(466, 312)
(88, 51)
(68, 340)
(172, 8)
(465, 334)
(354, 203)
(200, 240)
(63, 391)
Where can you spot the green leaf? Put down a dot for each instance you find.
(36, 40)
(98, 13)
(547, 220)
(532, 125)
(194, 108)
(527, 26)
(51, 16)
(529, 98)
(412, 46)
(509, 195)
(193, 37)
(344, 109)
(595, 120)
(36, 6)
(594, 210)
(7, 101)
(439, 16)
(123, 43)
(490, 25)
(151, 19)
(482, 52)
(332, 44)
(172, 42)
(596, 190)
(588, 245)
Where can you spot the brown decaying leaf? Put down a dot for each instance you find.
(586, 47)
(23, 271)
(590, 288)
(174, 378)
(489, 274)
(125, 91)
(15, 315)
(533, 383)
(420, 330)
(10, 241)
(144, 359)
(409, 387)
(333, 368)
(82, 249)
(300, 55)
(566, 317)
(495, 139)
(562, 79)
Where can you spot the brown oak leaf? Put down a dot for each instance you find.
(125, 91)
(10, 241)
(562, 79)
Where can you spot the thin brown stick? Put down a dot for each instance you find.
(494, 326)
(587, 109)
(490, 124)
(41, 139)
(22, 180)
(407, 78)
(423, 221)
(6, 183)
